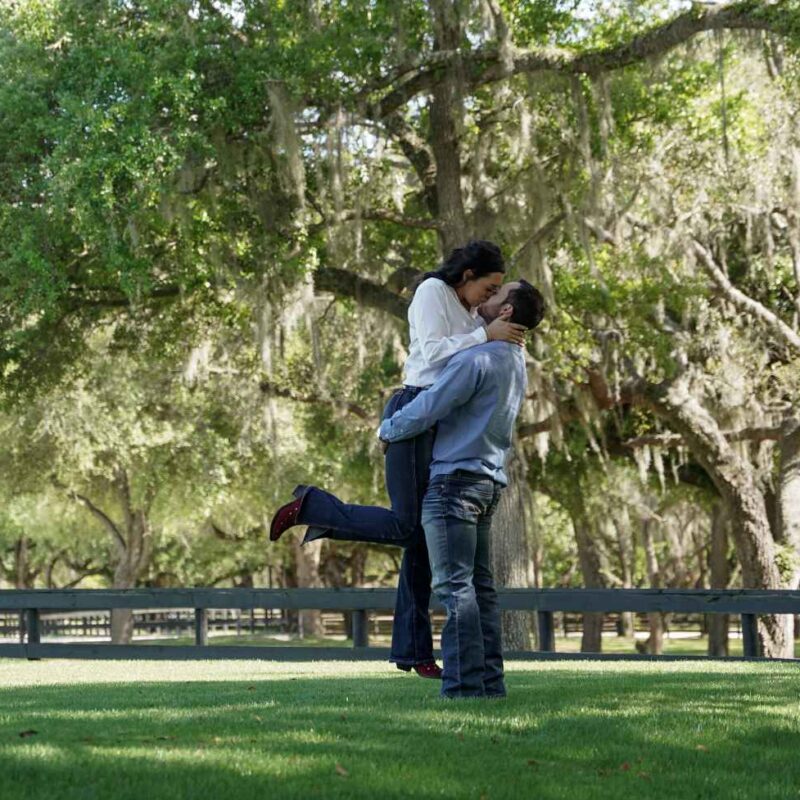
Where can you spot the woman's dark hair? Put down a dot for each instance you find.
(528, 305)
(480, 256)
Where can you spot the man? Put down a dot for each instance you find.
(475, 402)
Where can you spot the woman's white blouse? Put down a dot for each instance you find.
(439, 327)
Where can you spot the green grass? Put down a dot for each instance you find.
(251, 640)
(695, 646)
(249, 729)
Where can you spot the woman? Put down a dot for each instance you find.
(444, 319)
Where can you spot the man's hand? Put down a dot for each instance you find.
(384, 445)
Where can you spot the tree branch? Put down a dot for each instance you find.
(538, 236)
(490, 64)
(547, 424)
(271, 390)
(124, 488)
(114, 300)
(74, 583)
(667, 440)
(382, 215)
(745, 14)
(110, 525)
(385, 215)
(342, 283)
(225, 536)
(604, 399)
(742, 301)
(419, 155)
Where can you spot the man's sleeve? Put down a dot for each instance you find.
(452, 389)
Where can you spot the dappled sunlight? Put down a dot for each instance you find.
(152, 712)
(233, 758)
(340, 730)
(43, 673)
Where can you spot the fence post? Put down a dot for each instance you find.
(547, 638)
(201, 627)
(750, 643)
(32, 624)
(360, 629)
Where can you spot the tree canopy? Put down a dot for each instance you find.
(213, 212)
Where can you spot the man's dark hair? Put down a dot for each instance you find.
(528, 305)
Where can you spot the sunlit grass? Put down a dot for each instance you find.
(254, 640)
(695, 646)
(678, 645)
(249, 729)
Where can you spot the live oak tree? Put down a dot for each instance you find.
(187, 160)
(46, 542)
(133, 447)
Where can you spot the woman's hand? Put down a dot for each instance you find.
(501, 330)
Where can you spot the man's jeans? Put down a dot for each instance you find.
(407, 470)
(457, 517)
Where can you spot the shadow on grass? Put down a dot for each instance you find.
(561, 733)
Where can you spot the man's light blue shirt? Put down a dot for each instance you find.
(475, 401)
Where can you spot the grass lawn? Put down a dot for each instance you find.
(252, 640)
(248, 729)
(694, 646)
(690, 646)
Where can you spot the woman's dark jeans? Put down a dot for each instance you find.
(408, 465)
(407, 471)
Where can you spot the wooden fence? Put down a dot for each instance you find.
(158, 623)
(748, 603)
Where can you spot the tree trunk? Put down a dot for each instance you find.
(535, 562)
(446, 112)
(288, 580)
(535, 546)
(358, 564)
(744, 501)
(655, 644)
(789, 494)
(509, 535)
(510, 548)
(133, 560)
(591, 566)
(699, 543)
(133, 541)
(23, 577)
(564, 485)
(122, 618)
(627, 562)
(789, 511)
(719, 624)
(307, 560)
(591, 570)
(333, 573)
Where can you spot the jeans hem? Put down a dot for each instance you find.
(313, 532)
